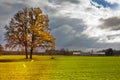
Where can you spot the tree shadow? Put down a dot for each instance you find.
(13, 60)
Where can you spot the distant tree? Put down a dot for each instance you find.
(62, 51)
(29, 28)
(65, 52)
(109, 52)
(1, 49)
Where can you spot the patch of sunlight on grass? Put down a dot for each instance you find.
(24, 65)
(32, 60)
(36, 69)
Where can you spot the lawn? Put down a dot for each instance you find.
(60, 68)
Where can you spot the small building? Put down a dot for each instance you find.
(76, 53)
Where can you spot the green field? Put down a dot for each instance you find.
(60, 68)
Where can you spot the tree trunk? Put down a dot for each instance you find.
(26, 42)
(31, 52)
(26, 53)
(32, 47)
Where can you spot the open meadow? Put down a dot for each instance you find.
(60, 68)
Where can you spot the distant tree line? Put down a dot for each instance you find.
(111, 52)
(58, 52)
(108, 52)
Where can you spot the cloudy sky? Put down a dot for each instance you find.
(76, 24)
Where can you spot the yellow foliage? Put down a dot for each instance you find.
(30, 28)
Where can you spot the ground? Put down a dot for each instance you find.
(60, 68)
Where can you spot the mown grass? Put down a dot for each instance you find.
(60, 68)
(18, 68)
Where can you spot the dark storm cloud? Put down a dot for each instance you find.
(112, 23)
(63, 1)
(8, 9)
(50, 10)
(101, 46)
(77, 24)
(81, 42)
(87, 44)
(68, 31)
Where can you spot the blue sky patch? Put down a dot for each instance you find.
(104, 4)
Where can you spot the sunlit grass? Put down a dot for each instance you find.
(60, 68)
(18, 68)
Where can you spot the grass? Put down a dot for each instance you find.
(60, 68)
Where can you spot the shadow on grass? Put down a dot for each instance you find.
(14, 60)
(3, 60)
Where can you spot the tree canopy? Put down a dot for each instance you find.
(29, 29)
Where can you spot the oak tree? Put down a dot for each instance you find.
(29, 29)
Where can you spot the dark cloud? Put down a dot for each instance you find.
(81, 42)
(86, 44)
(68, 31)
(107, 45)
(77, 24)
(8, 9)
(112, 23)
(64, 1)
(50, 10)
